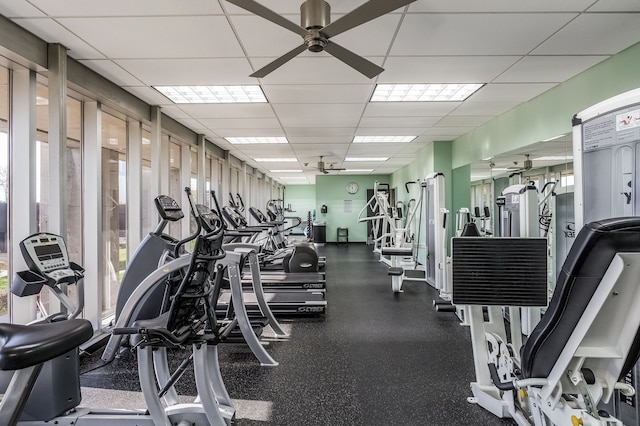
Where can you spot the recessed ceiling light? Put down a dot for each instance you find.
(554, 158)
(146, 141)
(212, 94)
(357, 170)
(256, 139)
(292, 177)
(286, 171)
(366, 159)
(373, 139)
(276, 160)
(113, 141)
(424, 92)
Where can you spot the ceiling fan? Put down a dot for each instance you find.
(321, 167)
(316, 29)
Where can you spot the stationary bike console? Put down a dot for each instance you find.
(46, 254)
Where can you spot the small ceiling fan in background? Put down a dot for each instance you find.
(316, 29)
(322, 167)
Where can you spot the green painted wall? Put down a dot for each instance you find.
(302, 199)
(330, 190)
(550, 113)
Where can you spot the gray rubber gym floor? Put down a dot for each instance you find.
(375, 359)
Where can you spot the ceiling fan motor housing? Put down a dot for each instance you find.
(315, 14)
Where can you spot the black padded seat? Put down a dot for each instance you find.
(585, 265)
(23, 346)
(470, 229)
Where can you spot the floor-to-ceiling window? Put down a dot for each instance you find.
(73, 208)
(149, 217)
(175, 185)
(4, 192)
(114, 207)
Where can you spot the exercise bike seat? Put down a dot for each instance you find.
(23, 346)
(583, 270)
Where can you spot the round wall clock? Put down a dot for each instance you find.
(352, 187)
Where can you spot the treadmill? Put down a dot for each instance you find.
(282, 302)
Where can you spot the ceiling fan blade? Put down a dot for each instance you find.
(354, 61)
(279, 62)
(268, 14)
(364, 13)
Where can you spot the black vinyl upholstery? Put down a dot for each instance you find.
(22, 346)
(585, 265)
(470, 229)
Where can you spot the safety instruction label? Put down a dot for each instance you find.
(616, 127)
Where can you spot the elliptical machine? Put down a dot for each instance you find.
(188, 321)
(152, 252)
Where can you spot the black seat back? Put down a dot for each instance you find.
(470, 229)
(587, 262)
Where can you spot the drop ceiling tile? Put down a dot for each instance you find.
(445, 69)
(372, 150)
(291, 9)
(579, 36)
(500, 6)
(242, 132)
(19, 9)
(308, 115)
(320, 131)
(318, 93)
(240, 123)
(463, 121)
(548, 68)
(52, 32)
(328, 150)
(409, 109)
(125, 7)
(318, 68)
(372, 38)
(616, 6)
(509, 92)
(217, 111)
(254, 30)
(319, 140)
(205, 71)
(157, 37)
(448, 133)
(484, 108)
(262, 150)
(376, 125)
(484, 34)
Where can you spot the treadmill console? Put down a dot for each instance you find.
(168, 208)
(47, 255)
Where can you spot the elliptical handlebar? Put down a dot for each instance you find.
(196, 215)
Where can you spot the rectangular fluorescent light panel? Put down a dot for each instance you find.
(424, 92)
(256, 140)
(293, 177)
(212, 94)
(373, 139)
(276, 160)
(357, 170)
(286, 171)
(373, 159)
